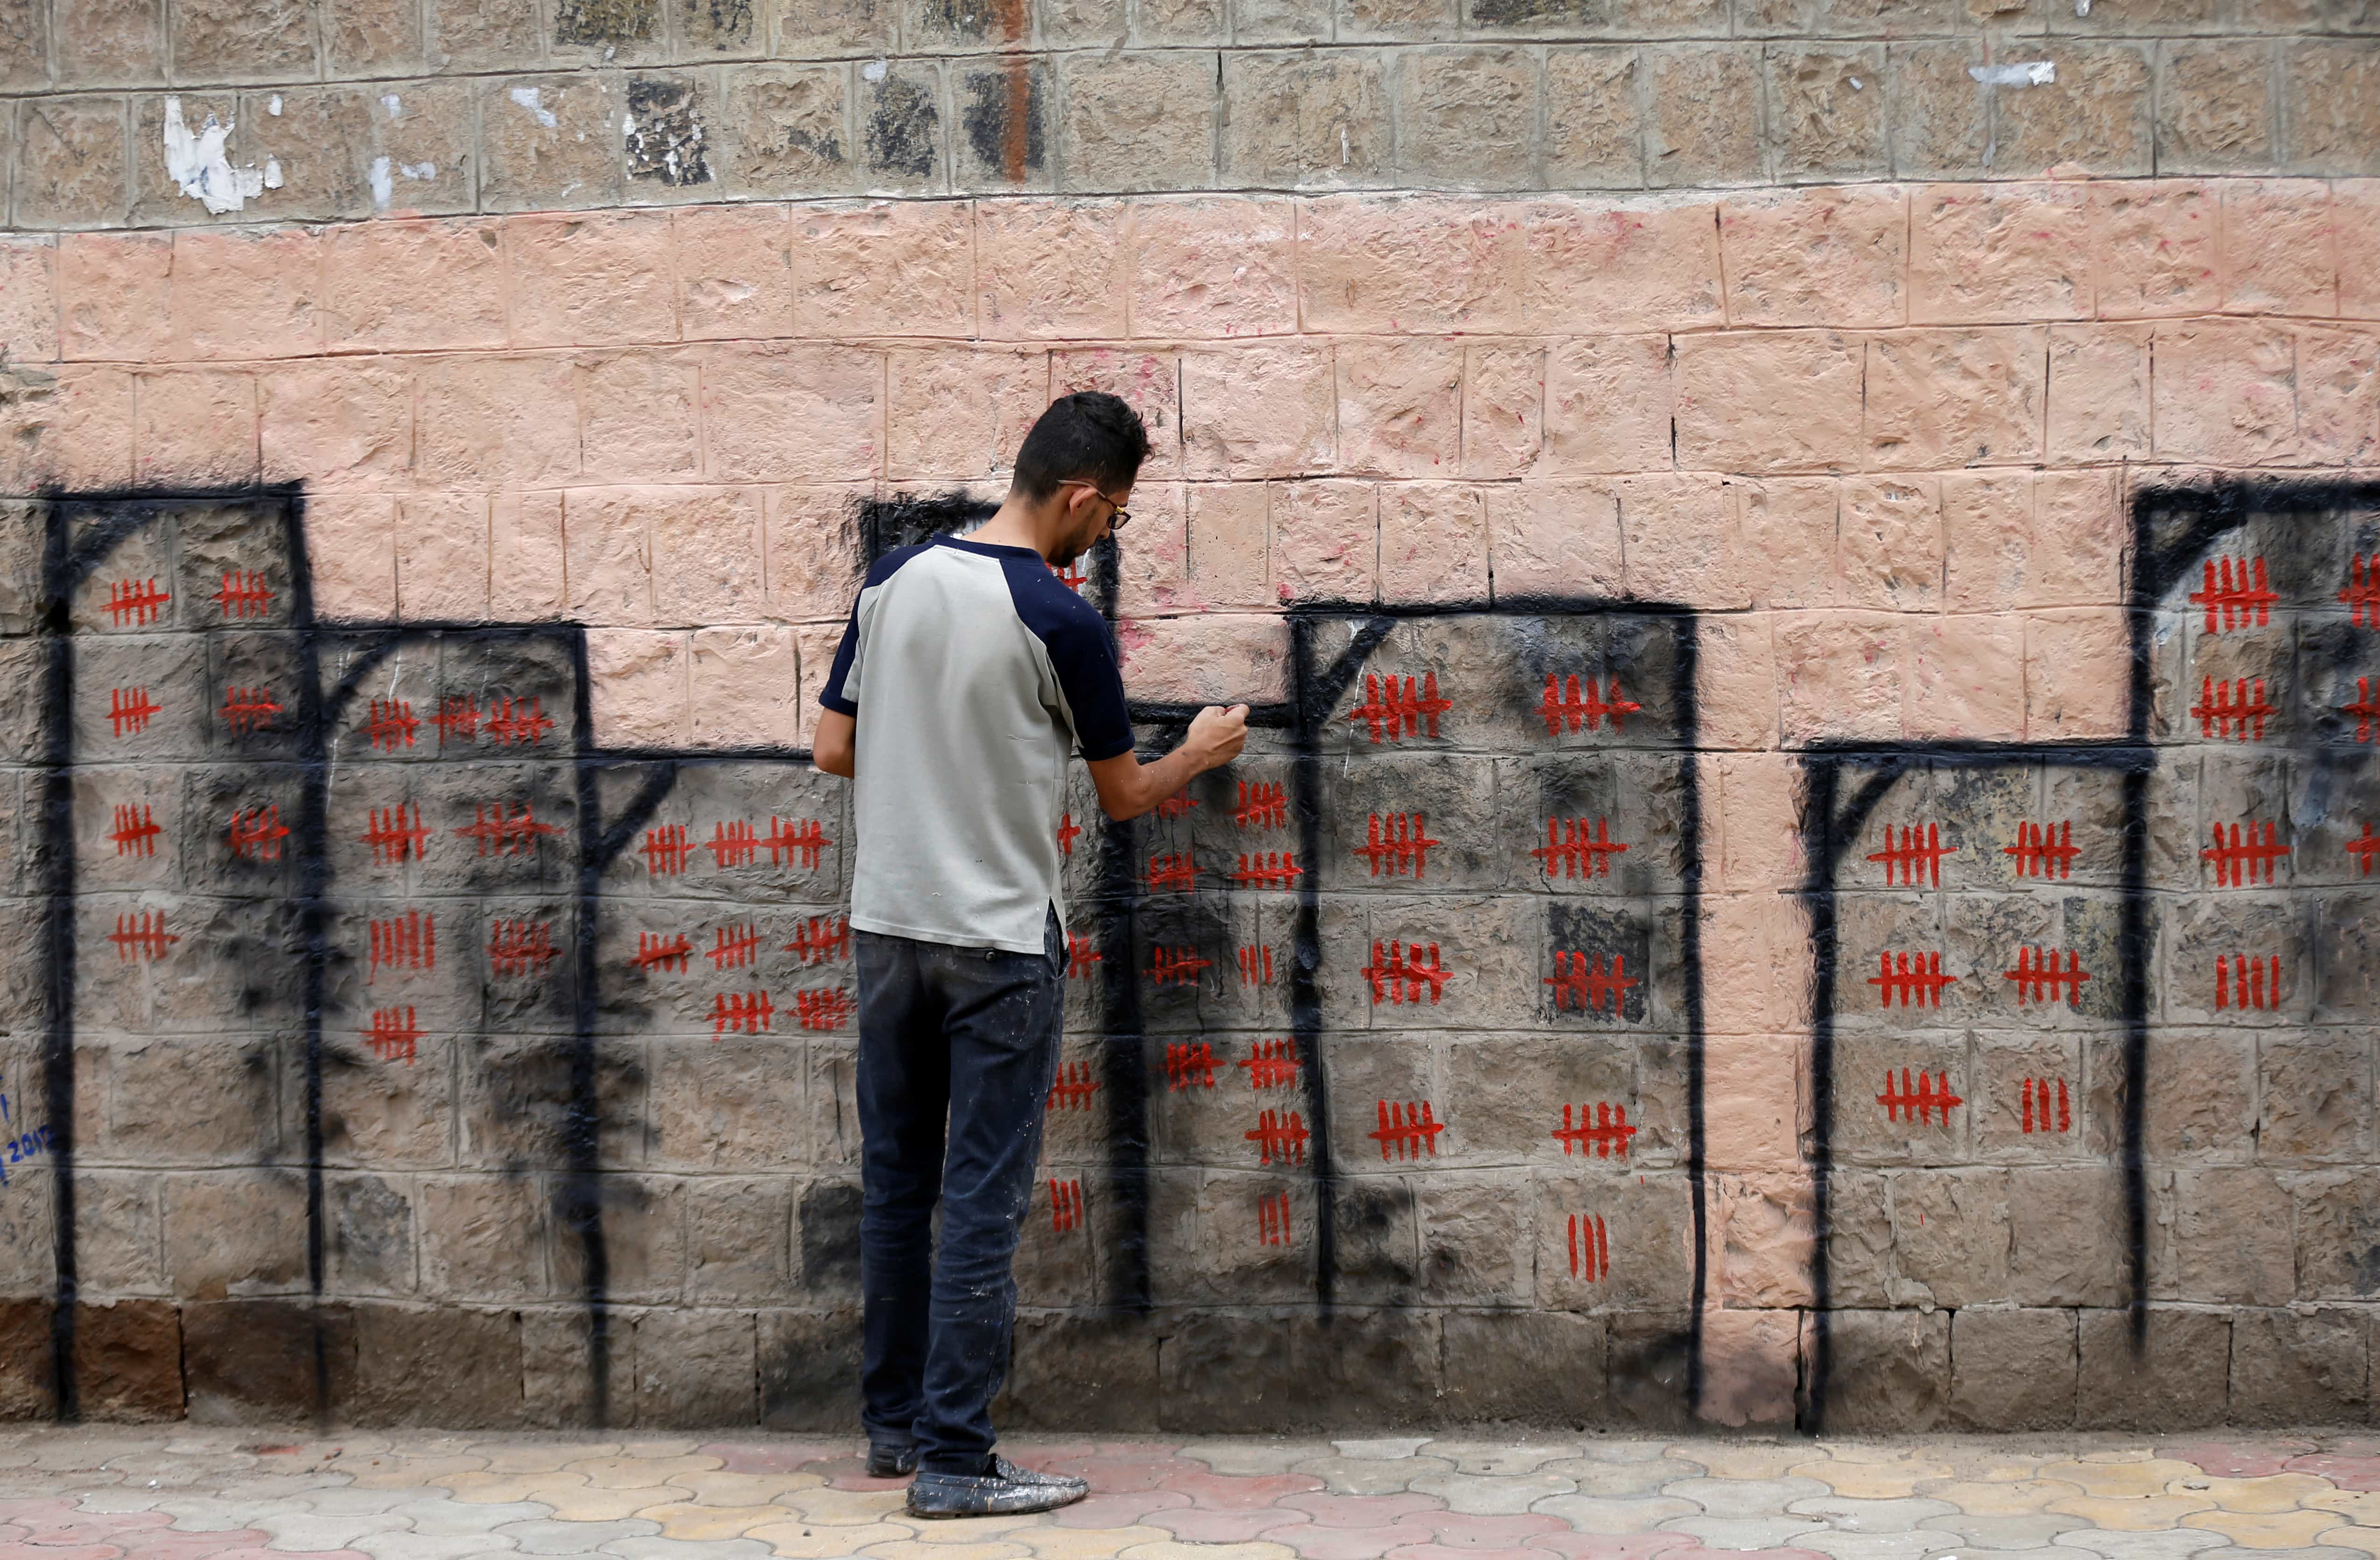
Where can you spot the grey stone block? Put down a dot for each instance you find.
(2014, 1369)
(2176, 1377)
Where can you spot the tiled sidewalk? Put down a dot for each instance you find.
(186, 1494)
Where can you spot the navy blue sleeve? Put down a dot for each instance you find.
(831, 696)
(1080, 652)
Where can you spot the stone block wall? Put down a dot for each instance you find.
(1804, 855)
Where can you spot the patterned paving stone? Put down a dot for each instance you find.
(1253, 1457)
(1459, 1530)
(1175, 1549)
(1498, 1458)
(2176, 1543)
(1747, 1532)
(805, 1540)
(773, 1457)
(1119, 1508)
(1615, 1546)
(627, 1471)
(2356, 1472)
(1895, 1479)
(1194, 1525)
(1450, 1552)
(545, 1456)
(1385, 1447)
(686, 1522)
(2123, 1480)
(1621, 1479)
(2364, 1538)
(1314, 1541)
(2031, 1531)
(1493, 1495)
(1371, 1476)
(310, 1532)
(2006, 1497)
(2146, 1513)
(1748, 1460)
(830, 1508)
(2276, 1491)
(2265, 1530)
(1076, 1543)
(402, 1544)
(439, 1518)
(674, 1549)
(1905, 1545)
(744, 1489)
(1214, 1492)
(1744, 1497)
(1114, 1474)
(560, 1536)
(1332, 1510)
(1592, 1514)
(2237, 1459)
(914, 1549)
(198, 1513)
(1850, 1515)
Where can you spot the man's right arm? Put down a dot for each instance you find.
(831, 749)
(1128, 788)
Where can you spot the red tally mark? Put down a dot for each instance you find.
(2362, 848)
(141, 938)
(824, 1008)
(1280, 1135)
(393, 833)
(745, 1012)
(2229, 710)
(2237, 600)
(1268, 869)
(666, 850)
(1407, 1131)
(1566, 707)
(1572, 850)
(1176, 966)
(1590, 988)
(1919, 854)
(1590, 1248)
(732, 948)
(517, 722)
(1256, 963)
(1262, 805)
(1177, 805)
(246, 710)
(826, 938)
(657, 952)
(1189, 1066)
(2251, 982)
(1601, 1132)
(2362, 593)
(2044, 851)
(402, 942)
(502, 834)
(1399, 973)
(1068, 832)
(1175, 870)
(795, 844)
(135, 832)
(1398, 844)
(1394, 713)
(457, 720)
(1904, 1104)
(1272, 1219)
(394, 1036)
(2038, 978)
(1918, 985)
(128, 710)
(136, 603)
(520, 948)
(1073, 578)
(243, 594)
(733, 844)
(1073, 1087)
(1066, 1205)
(391, 725)
(256, 834)
(2034, 1095)
(2364, 710)
(1080, 957)
(1272, 1064)
(2242, 861)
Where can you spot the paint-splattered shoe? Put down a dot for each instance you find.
(888, 1461)
(1007, 1490)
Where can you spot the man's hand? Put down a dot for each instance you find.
(1128, 788)
(1217, 734)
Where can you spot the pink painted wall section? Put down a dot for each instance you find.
(1890, 425)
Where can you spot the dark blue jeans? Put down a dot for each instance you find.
(966, 1036)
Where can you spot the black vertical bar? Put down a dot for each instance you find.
(1690, 955)
(1123, 1049)
(1818, 823)
(314, 917)
(58, 939)
(1309, 707)
(582, 1191)
(2133, 934)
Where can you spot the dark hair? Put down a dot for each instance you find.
(1089, 436)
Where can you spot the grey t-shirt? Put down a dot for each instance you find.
(974, 673)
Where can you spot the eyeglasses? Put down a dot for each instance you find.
(1119, 520)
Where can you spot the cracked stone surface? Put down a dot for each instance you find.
(191, 1494)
